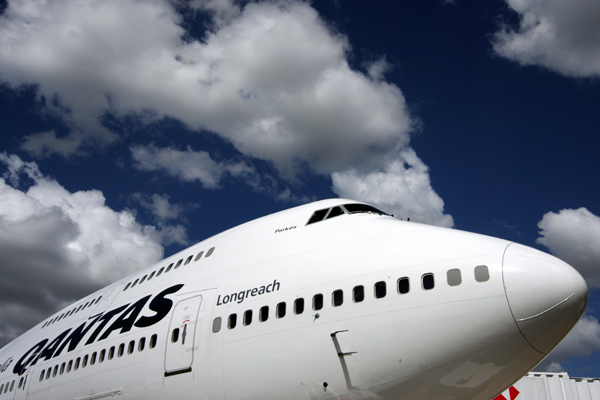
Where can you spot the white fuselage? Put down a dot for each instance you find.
(355, 306)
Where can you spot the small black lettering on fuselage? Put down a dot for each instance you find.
(244, 294)
(71, 338)
(289, 228)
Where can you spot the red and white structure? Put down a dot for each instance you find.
(552, 386)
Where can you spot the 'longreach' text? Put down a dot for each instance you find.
(244, 294)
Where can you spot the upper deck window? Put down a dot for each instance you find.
(353, 208)
(362, 208)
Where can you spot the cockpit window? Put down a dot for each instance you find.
(353, 208)
(362, 208)
(317, 216)
(335, 211)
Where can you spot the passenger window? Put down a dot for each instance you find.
(216, 325)
(77, 361)
(187, 261)
(380, 290)
(337, 298)
(428, 282)
(48, 372)
(84, 361)
(403, 285)
(153, 340)
(232, 321)
(299, 306)
(248, 317)
(169, 268)
(482, 274)
(131, 347)
(93, 358)
(126, 287)
(55, 371)
(280, 310)
(263, 314)
(111, 353)
(209, 252)
(142, 344)
(41, 379)
(175, 335)
(358, 294)
(69, 366)
(151, 275)
(198, 256)
(99, 298)
(143, 279)
(121, 350)
(102, 355)
(317, 302)
(454, 277)
(160, 271)
(21, 382)
(134, 283)
(12, 385)
(178, 263)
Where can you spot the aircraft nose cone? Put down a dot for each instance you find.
(546, 295)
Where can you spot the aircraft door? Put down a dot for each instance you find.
(22, 384)
(181, 339)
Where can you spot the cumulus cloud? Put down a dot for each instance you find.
(164, 212)
(402, 188)
(562, 35)
(574, 236)
(188, 165)
(285, 104)
(300, 107)
(57, 246)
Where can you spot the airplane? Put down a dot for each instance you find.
(333, 299)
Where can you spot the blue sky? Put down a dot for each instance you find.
(132, 129)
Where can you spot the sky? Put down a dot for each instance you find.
(130, 130)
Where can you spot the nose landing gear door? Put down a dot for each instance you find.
(181, 340)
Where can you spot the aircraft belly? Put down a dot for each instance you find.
(448, 346)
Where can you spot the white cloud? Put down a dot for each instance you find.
(271, 77)
(224, 10)
(288, 104)
(574, 236)
(57, 246)
(583, 340)
(188, 165)
(403, 188)
(164, 213)
(160, 206)
(562, 35)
